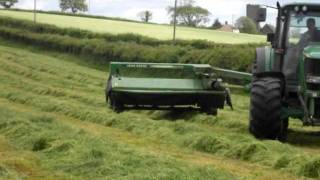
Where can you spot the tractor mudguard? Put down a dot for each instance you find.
(264, 64)
(264, 60)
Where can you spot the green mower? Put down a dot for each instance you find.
(164, 86)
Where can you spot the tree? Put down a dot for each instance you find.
(190, 15)
(73, 5)
(217, 24)
(145, 16)
(7, 3)
(246, 25)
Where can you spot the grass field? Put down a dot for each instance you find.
(151, 30)
(54, 123)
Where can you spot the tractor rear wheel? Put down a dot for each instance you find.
(265, 110)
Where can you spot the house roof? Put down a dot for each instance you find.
(227, 28)
(268, 26)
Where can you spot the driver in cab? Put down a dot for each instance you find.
(312, 35)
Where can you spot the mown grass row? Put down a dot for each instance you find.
(66, 152)
(72, 81)
(73, 153)
(225, 135)
(130, 48)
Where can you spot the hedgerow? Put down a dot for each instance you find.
(127, 47)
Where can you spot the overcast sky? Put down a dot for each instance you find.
(225, 10)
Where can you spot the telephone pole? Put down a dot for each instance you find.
(89, 6)
(35, 11)
(175, 21)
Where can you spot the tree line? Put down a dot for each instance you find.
(187, 14)
(65, 5)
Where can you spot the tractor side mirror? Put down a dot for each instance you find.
(270, 37)
(262, 15)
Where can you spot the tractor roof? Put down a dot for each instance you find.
(309, 5)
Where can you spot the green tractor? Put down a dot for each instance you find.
(286, 76)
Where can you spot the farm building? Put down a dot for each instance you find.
(268, 28)
(229, 28)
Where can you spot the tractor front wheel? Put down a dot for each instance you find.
(265, 110)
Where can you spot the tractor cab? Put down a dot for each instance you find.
(298, 29)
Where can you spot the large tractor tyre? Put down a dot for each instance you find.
(265, 110)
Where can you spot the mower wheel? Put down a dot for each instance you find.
(114, 104)
(117, 107)
(209, 110)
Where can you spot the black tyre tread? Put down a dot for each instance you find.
(265, 111)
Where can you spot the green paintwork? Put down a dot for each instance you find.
(291, 112)
(312, 51)
(191, 68)
(159, 77)
(269, 58)
(128, 83)
(158, 85)
(225, 73)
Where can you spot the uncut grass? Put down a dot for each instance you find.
(224, 135)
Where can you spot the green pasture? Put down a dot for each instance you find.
(54, 124)
(151, 30)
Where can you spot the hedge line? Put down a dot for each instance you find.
(139, 39)
(104, 51)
